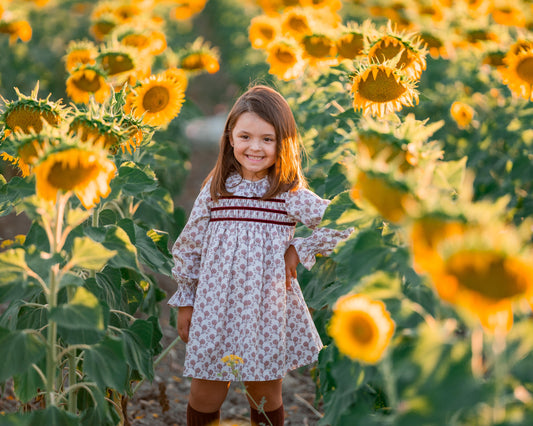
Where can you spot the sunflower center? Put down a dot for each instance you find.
(317, 47)
(192, 62)
(156, 99)
(65, 177)
(116, 64)
(266, 32)
(361, 328)
(285, 56)
(88, 82)
(524, 69)
(381, 87)
(488, 273)
(298, 24)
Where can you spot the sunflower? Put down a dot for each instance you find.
(517, 73)
(119, 63)
(285, 59)
(263, 30)
(103, 26)
(484, 278)
(96, 131)
(156, 101)
(127, 12)
(84, 172)
(154, 42)
(80, 53)
(435, 45)
(87, 81)
(362, 328)
(462, 113)
(508, 14)
(26, 114)
(16, 30)
(17, 162)
(410, 56)
(319, 49)
(198, 57)
(176, 74)
(380, 89)
(390, 198)
(186, 9)
(296, 23)
(350, 44)
(426, 233)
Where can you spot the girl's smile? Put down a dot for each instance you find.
(254, 145)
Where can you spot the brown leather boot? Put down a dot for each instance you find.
(276, 417)
(196, 418)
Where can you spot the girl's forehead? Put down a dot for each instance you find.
(250, 120)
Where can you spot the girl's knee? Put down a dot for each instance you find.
(267, 394)
(207, 395)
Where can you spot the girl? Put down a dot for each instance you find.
(241, 311)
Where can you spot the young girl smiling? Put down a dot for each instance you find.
(235, 264)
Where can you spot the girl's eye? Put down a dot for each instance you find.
(269, 140)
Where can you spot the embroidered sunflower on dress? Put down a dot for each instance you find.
(380, 89)
(157, 100)
(87, 81)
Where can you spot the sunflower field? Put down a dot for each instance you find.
(416, 121)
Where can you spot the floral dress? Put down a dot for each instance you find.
(230, 265)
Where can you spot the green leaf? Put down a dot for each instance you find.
(132, 179)
(82, 312)
(28, 384)
(105, 364)
(12, 262)
(18, 351)
(89, 254)
(342, 213)
(449, 175)
(54, 416)
(137, 341)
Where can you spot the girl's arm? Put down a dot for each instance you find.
(308, 208)
(187, 251)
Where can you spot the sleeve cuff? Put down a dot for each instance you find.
(185, 294)
(305, 253)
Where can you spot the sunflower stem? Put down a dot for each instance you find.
(498, 350)
(72, 366)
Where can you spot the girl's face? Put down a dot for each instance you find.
(254, 145)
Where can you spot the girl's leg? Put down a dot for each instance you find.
(271, 412)
(205, 399)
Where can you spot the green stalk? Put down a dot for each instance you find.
(72, 372)
(390, 383)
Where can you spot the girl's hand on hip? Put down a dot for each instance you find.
(291, 262)
(184, 322)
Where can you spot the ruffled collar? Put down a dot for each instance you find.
(237, 184)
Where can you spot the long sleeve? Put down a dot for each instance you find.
(308, 208)
(187, 251)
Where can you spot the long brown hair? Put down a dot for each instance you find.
(286, 174)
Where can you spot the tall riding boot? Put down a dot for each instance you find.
(196, 418)
(276, 417)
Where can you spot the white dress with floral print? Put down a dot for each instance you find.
(229, 265)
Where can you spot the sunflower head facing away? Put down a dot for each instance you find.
(156, 100)
(362, 328)
(27, 113)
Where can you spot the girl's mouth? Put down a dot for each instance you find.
(254, 158)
